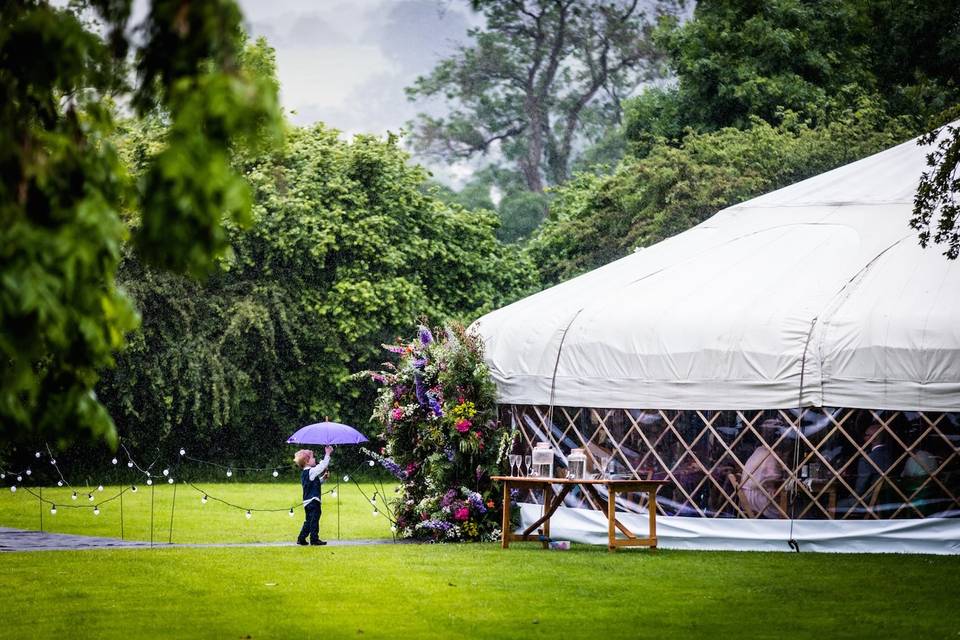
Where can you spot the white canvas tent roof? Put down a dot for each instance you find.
(817, 294)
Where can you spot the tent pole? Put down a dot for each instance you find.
(338, 507)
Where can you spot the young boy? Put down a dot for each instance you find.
(311, 478)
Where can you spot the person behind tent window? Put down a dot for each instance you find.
(762, 472)
(311, 477)
(878, 453)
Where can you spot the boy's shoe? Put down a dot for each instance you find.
(302, 543)
(318, 543)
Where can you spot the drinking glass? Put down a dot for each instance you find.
(514, 462)
(602, 462)
(528, 463)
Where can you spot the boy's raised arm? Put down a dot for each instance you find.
(322, 465)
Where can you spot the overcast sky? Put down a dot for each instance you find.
(346, 63)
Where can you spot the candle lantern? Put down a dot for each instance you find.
(543, 460)
(577, 464)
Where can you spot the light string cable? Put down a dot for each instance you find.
(276, 469)
(373, 499)
(251, 510)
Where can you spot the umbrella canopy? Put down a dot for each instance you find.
(327, 433)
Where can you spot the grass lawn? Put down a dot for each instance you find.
(194, 521)
(474, 591)
(444, 591)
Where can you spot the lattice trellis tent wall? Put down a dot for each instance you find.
(815, 296)
(823, 463)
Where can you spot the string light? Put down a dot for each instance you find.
(52, 461)
(130, 464)
(166, 472)
(183, 451)
(275, 473)
(203, 500)
(346, 478)
(229, 473)
(133, 488)
(373, 500)
(13, 488)
(29, 472)
(59, 483)
(333, 493)
(100, 487)
(96, 511)
(375, 513)
(53, 509)
(149, 482)
(19, 478)
(393, 528)
(74, 496)
(169, 480)
(113, 461)
(90, 497)
(249, 515)
(291, 512)
(2, 476)
(371, 463)
(36, 455)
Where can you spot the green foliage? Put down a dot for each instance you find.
(437, 408)
(596, 219)
(346, 249)
(938, 195)
(738, 60)
(63, 187)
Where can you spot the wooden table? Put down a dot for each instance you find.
(552, 501)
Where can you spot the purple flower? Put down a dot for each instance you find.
(476, 501)
(449, 452)
(448, 498)
(419, 363)
(424, 334)
(437, 409)
(419, 390)
(392, 348)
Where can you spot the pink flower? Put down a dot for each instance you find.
(463, 425)
(461, 514)
(397, 414)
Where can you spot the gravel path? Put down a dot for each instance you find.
(21, 540)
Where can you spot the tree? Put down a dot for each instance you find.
(939, 191)
(346, 250)
(542, 77)
(742, 59)
(597, 219)
(64, 191)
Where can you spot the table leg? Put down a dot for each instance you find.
(652, 510)
(549, 509)
(611, 518)
(505, 523)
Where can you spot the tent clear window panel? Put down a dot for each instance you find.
(823, 463)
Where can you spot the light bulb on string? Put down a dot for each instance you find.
(229, 473)
(59, 483)
(53, 509)
(29, 472)
(183, 451)
(291, 512)
(90, 497)
(130, 464)
(2, 476)
(149, 482)
(100, 487)
(346, 478)
(333, 493)
(133, 488)
(113, 461)
(393, 528)
(275, 473)
(375, 513)
(169, 480)
(74, 496)
(36, 455)
(52, 461)
(19, 478)
(373, 500)
(371, 463)
(166, 472)
(203, 500)
(249, 515)
(96, 511)
(13, 488)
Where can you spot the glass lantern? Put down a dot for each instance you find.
(577, 464)
(543, 460)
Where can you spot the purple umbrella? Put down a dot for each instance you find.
(327, 433)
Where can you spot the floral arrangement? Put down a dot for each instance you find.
(437, 409)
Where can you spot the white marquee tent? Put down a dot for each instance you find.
(815, 295)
